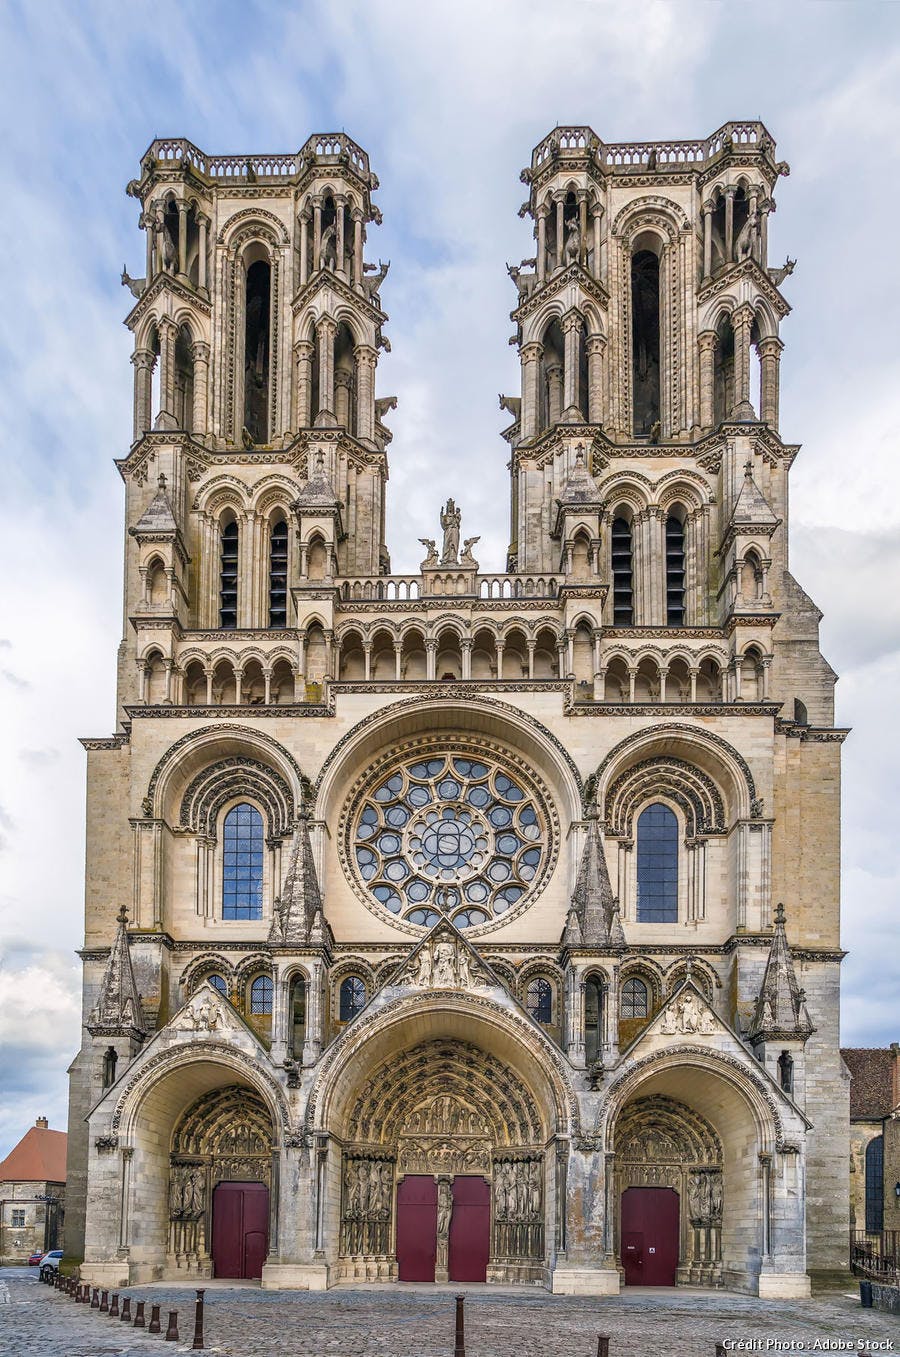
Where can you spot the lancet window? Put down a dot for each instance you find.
(278, 566)
(242, 863)
(875, 1185)
(593, 1018)
(228, 577)
(261, 996)
(352, 998)
(635, 1001)
(657, 865)
(645, 341)
(675, 571)
(623, 573)
(539, 1000)
(257, 350)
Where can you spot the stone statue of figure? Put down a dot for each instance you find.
(450, 521)
(444, 975)
(327, 250)
(572, 243)
(445, 1209)
(422, 977)
(463, 969)
(431, 558)
(696, 1196)
(465, 556)
(690, 1014)
(746, 243)
(164, 243)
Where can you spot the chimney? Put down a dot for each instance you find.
(42, 1124)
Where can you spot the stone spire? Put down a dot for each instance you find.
(118, 1009)
(781, 1005)
(318, 492)
(298, 910)
(752, 509)
(593, 918)
(581, 487)
(159, 516)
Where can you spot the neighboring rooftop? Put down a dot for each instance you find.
(873, 1093)
(39, 1157)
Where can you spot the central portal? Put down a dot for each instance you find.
(443, 1228)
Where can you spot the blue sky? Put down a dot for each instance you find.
(448, 100)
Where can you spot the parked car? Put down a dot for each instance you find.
(50, 1263)
(35, 1258)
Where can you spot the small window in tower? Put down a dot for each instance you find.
(298, 1017)
(242, 863)
(540, 1000)
(674, 571)
(622, 572)
(228, 579)
(593, 1018)
(635, 1000)
(657, 865)
(110, 1060)
(278, 565)
(261, 993)
(786, 1071)
(352, 998)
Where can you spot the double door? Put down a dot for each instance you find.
(469, 1240)
(650, 1236)
(240, 1229)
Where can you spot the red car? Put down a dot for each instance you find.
(35, 1258)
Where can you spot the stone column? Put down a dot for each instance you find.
(742, 321)
(530, 644)
(770, 362)
(465, 646)
(317, 230)
(541, 267)
(366, 362)
(764, 235)
(530, 356)
(430, 657)
(572, 329)
(596, 349)
(168, 332)
(304, 247)
(560, 231)
(707, 213)
(730, 191)
(326, 329)
(707, 340)
(144, 361)
(203, 224)
(200, 355)
(343, 390)
(500, 648)
(303, 359)
(182, 239)
(340, 203)
(312, 1041)
(147, 227)
(582, 225)
(554, 373)
(598, 239)
(357, 216)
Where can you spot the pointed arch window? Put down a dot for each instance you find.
(674, 571)
(635, 1001)
(623, 573)
(539, 1000)
(593, 1018)
(352, 998)
(261, 995)
(218, 983)
(645, 346)
(228, 578)
(875, 1186)
(242, 863)
(657, 865)
(278, 566)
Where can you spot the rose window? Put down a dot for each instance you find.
(449, 836)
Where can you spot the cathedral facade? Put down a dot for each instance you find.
(457, 925)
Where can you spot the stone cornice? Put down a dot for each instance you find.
(226, 713)
(735, 620)
(769, 709)
(92, 744)
(812, 734)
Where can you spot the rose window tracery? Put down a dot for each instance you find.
(449, 835)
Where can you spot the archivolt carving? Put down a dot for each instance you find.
(222, 781)
(233, 732)
(219, 1053)
(651, 210)
(693, 791)
(692, 734)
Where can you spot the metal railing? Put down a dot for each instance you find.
(876, 1256)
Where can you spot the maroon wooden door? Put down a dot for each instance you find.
(650, 1236)
(416, 1228)
(470, 1230)
(240, 1229)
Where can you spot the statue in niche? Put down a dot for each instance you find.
(463, 969)
(572, 242)
(165, 244)
(450, 521)
(444, 973)
(328, 248)
(445, 1208)
(422, 977)
(746, 245)
(689, 1014)
(431, 558)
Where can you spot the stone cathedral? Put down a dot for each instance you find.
(457, 925)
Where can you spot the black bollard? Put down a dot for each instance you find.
(114, 1306)
(126, 1310)
(720, 1350)
(197, 1345)
(154, 1326)
(95, 1299)
(139, 1321)
(602, 1345)
(460, 1347)
(104, 1302)
(172, 1330)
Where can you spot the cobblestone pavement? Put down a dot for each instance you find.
(408, 1321)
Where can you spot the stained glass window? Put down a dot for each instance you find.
(218, 984)
(657, 865)
(261, 992)
(352, 997)
(242, 863)
(449, 835)
(875, 1186)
